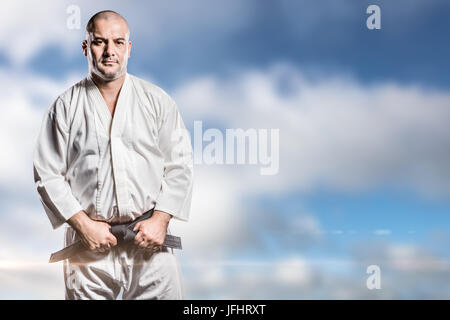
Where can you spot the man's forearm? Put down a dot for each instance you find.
(78, 220)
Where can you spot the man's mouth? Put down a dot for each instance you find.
(109, 62)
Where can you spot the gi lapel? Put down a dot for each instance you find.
(100, 106)
(118, 148)
(113, 128)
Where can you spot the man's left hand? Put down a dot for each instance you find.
(152, 231)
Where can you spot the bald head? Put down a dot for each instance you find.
(105, 15)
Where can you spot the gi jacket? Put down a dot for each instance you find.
(113, 168)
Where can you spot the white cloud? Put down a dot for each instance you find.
(213, 277)
(407, 272)
(334, 132)
(27, 27)
(306, 224)
(217, 215)
(398, 257)
(25, 97)
(31, 281)
(289, 277)
(293, 272)
(382, 232)
(412, 258)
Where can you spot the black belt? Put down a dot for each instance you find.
(124, 234)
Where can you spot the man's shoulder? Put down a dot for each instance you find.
(149, 89)
(68, 95)
(64, 100)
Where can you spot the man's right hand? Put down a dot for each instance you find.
(95, 235)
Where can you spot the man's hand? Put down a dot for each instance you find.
(95, 235)
(152, 231)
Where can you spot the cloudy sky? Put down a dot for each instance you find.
(364, 141)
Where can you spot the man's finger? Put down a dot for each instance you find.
(137, 226)
(155, 248)
(138, 238)
(143, 244)
(114, 241)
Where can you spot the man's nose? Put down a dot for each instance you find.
(109, 49)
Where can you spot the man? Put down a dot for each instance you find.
(110, 148)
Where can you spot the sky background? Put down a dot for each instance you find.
(363, 117)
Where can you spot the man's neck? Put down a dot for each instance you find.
(109, 89)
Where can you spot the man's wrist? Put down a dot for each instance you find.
(162, 215)
(78, 220)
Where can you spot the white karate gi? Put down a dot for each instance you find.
(115, 169)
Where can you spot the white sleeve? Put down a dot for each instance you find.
(175, 145)
(50, 166)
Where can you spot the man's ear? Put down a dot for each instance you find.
(129, 48)
(84, 47)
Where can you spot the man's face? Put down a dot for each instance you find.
(108, 49)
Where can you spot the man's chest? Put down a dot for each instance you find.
(131, 128)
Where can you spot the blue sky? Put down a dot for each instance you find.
(410, 47)
(364, 139)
